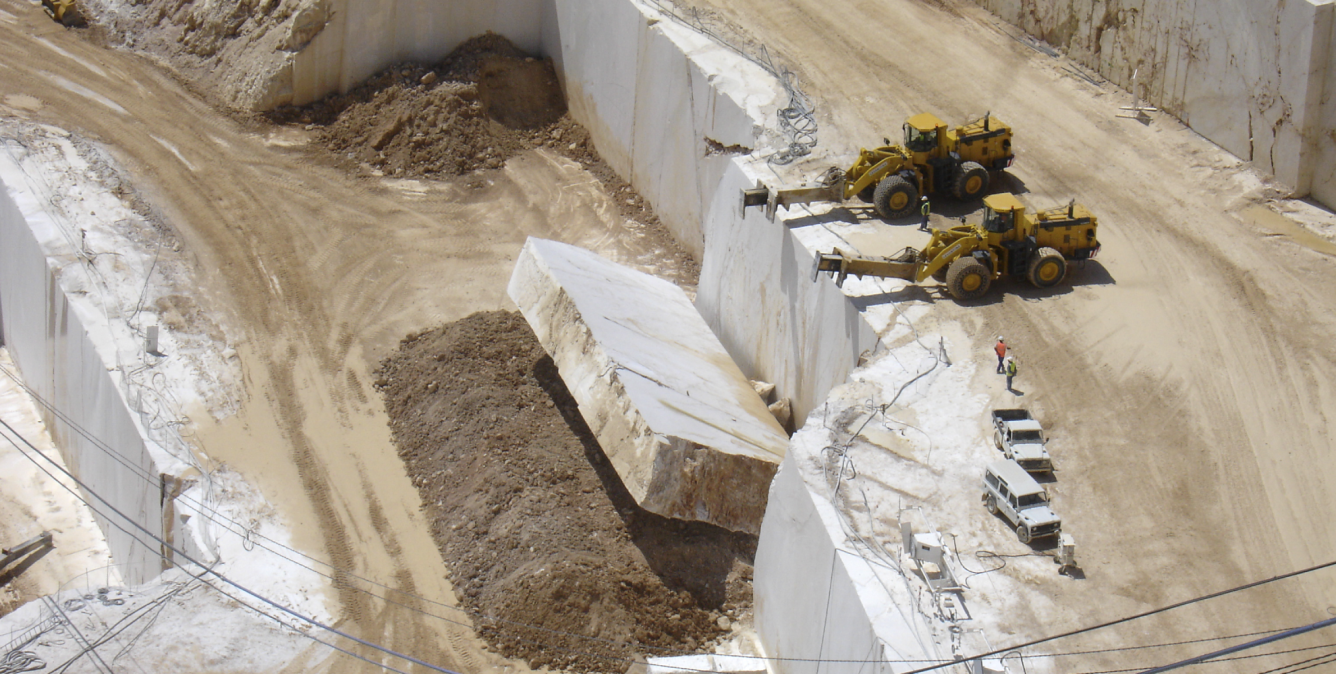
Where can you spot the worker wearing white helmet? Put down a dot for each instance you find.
(1001, 350)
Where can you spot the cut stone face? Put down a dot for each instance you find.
(682, 426)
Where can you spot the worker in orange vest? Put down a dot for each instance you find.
(1001, 350)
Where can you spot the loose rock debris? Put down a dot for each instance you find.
(532, 521)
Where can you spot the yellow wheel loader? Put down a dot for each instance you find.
(968, 258)
(934, 159)
(64, 12)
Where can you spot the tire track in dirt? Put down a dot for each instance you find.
(260, 221)
(422, 636)
(285, 399)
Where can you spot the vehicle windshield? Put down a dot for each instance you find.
(919, 141)
(1027, 437)
(998, 223)
(1033, 499)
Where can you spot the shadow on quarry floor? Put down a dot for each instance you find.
(693, 556)
(1091, 273)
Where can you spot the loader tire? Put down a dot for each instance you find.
(971, 181)
(1047, 269)
(968, 279)
(895, 197)
(940, 275)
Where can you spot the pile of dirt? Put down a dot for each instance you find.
(486, 102)
(415, 120)
(539, 534)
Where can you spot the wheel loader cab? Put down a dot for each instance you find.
(1003, 213)
(1009, 237)
(923, 133)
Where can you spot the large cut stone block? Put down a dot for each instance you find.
(682, 426)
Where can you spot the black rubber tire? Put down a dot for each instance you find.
(890, 193)
(971, 181)
(968, 279)
(940, 275)
(990, 504)
(1022, 533)
(1047, 269)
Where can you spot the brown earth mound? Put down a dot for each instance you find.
(538, 532)
(486, 102)
(483, 104)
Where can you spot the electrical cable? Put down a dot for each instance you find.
(797, 119)
(988, 554)
(941, 662)
(269, 602)
(214, 515)
(1293, 667)
(846, 465)
(210, 571)
(16, 662)
(283, 625)
(1138, 616)
(1236, 658)
(382, 649)
(1244, 646)
(133, 616)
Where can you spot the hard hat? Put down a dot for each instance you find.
(999, 338)
(923, 198)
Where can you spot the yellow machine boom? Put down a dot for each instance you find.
(933, 159)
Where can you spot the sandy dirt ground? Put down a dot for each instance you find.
(319, 274)
(1187, 375)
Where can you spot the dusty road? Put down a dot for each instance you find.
(314, 275)
(1188, 376)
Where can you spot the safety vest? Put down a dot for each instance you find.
(1001, 349)
(1011, 368)
(925, 209)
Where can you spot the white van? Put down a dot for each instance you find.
(1009, 490)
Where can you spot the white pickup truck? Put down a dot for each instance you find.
(1021, 439)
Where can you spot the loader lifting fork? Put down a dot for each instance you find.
(968, 258)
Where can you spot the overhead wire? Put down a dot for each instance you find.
(183, 555)
(940, 662)
(265, 600)
(1294, 666)
(342, 575)
(1272, 638)
(1138, 616)
(204, 509)
(1236, 658)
